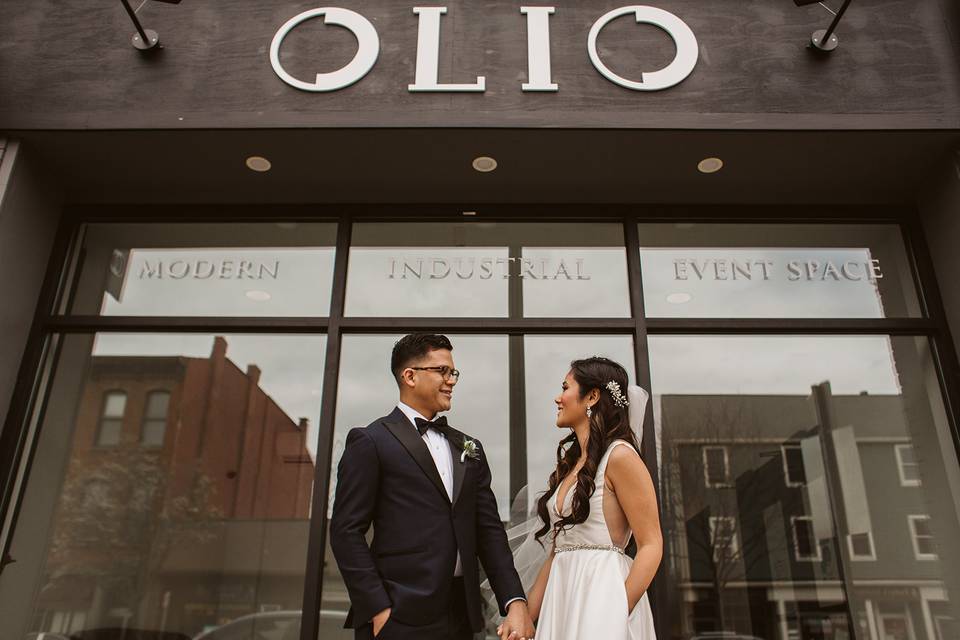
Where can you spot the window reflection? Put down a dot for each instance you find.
(483, 269)
(546, 363)
(775, 270)
(111, 421)
(814, 535)
(367, 391)
(196, 515)
(280, 269)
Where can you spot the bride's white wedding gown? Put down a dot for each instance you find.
(585, 597)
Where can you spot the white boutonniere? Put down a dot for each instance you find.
(469, 450)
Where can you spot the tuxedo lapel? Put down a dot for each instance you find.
(408, 436)
(459, 468)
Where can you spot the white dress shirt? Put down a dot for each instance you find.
(442, 457)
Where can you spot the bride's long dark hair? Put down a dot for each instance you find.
(608, 423)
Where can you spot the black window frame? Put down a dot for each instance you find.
(19, 433)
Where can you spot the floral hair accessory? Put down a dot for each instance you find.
(618, 398)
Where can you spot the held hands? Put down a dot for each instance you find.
(517, 625)
(379, 620)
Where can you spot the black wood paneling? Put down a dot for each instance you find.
(71, 65)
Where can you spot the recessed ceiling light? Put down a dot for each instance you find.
(484, 164)
(258, 163)
(679, 298)
(469, 213)
(259, 296)
(710, 165)
(287, 226)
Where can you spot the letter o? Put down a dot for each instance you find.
(367, 52)
(674, 73)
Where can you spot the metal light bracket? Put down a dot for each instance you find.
(825, 39)
(144, 39)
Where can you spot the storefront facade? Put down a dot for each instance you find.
(211, 249)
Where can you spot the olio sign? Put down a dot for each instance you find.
(538, 50)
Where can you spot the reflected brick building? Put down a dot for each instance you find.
(179, 468)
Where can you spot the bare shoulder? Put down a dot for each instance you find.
(625, 464)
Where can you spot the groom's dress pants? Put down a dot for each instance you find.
(454, 625)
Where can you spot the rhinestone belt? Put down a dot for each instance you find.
(588, 547)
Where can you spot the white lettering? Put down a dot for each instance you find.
(367, 51)
(151, 272)
(847, 269)
(179, 269)
(580, 275)
(197, 273)
(674, 73)
(680, 269)
(793, 271)
(444, 269)
(428, 54)
(538, 49)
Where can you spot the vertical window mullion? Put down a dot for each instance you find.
(659, 598)
(316, 544)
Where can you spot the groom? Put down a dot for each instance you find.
(425, 487)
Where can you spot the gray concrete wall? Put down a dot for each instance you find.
(940, 212)
(29, 212)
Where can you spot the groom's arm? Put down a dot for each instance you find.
(492, 547)
(358, 478)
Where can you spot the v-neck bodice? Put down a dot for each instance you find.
(594, 530)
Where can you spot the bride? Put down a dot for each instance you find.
(599, 496)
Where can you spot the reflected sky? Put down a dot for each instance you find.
(481, 402)
(547, 362)
(427, 281)
(596, 287)
(772, 365)
(224, 282)
(291, 366)
(684, 282)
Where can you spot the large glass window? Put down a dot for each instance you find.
(484, 269)
(184, 533)
(775, 271)
(278, 269)
(481, 407)
(829, 542)
(808, 483)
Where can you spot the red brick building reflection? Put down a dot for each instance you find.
(185, 502)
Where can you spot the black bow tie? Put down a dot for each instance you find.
(439, 425)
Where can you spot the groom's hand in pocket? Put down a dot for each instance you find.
(380, 620)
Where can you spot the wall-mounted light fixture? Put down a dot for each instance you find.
(144, 39)
(825, 39)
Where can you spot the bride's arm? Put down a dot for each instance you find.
(634, 490)
(535, 597)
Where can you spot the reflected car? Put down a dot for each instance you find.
(118, 633)
(269, 625)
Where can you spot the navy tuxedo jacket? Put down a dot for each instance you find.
(387, 478)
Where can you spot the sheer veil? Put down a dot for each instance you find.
(528, 554)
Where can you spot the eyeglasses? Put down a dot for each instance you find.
(445, 372)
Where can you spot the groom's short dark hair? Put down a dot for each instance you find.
(413, 347)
